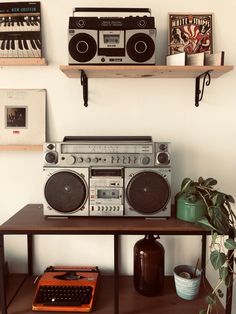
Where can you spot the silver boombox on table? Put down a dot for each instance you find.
(112, 40)
(107, 176)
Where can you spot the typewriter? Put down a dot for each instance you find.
(67, 289)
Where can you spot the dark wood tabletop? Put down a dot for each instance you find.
(31, 220)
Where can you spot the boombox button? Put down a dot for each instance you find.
(145, 160)
(103, 59)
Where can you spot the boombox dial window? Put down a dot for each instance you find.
(147, 192)
(66, 191)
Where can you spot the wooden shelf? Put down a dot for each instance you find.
(30, 220)
(22, 61)
(130, 301)
(21, 147)
(143, 71)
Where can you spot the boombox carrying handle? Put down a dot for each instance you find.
(120, 10)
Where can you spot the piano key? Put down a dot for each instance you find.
(12, 52)
(19, 44)
(2, 50)
(3, 44)
(8, 44)
(30, 50)
(12, 44)
(38, 43)
(33, 44)
(36, 51)
(20, 53)
(25, 44)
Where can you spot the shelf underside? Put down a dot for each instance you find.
(143, 71)
(22, 61)
(21, 147)
(130, 301)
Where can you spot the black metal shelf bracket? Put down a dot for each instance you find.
(200, 92)
(84, 83)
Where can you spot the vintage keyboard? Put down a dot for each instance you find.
(20, 45)
(20, 30)
(20, 24)
(66, 289)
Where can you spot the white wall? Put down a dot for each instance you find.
(203, 139)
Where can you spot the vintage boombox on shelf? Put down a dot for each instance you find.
(112, 40)
(107, 176)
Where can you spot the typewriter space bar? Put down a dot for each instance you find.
(63, 303)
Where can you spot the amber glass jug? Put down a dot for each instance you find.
(149, 266)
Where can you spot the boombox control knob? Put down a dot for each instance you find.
(163, 158)
(145, 160)
(71, 160)
(163, 147)
(51, 157)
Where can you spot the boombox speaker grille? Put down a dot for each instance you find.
(147, 192)
(82, 47)
(65, 191)
(140, 47)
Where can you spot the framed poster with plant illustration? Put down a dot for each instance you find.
(190, 33)
(22, 116)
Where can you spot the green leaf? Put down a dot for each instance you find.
(203, 221)
(230, 244)
(185, 184)
(217, 259)
(214, 237)
(200, 180)
(229, 280)
(210, 182)
(230, 198)
(223, 272)
(217, 198)
(219, 220)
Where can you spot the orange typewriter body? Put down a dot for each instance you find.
(66, 277)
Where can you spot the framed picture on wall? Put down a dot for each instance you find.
(22, 116)
(190, 33)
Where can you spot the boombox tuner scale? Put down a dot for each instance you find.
(107, 176)
(112, 39)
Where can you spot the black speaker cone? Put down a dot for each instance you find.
(140, 47)
(147, 192)
(65, 191)
(82, 47)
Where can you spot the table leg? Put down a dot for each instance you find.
(30, 253)
(116, 273)
(3, 302)
(203, 252)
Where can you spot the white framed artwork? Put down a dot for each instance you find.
(22, 116)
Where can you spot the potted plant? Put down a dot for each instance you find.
(190, 205)
(221, 220)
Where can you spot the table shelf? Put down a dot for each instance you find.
(130, 301)
(116, 294)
